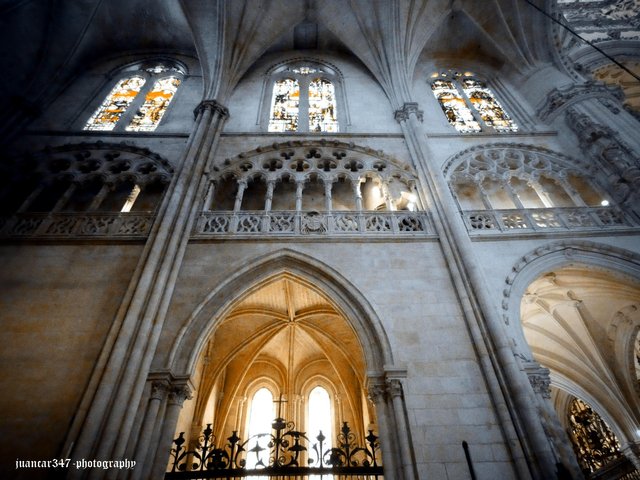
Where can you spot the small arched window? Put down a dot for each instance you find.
(138, 101)
(303, 100)
(319, 415)
(469, 105)
(261, 414)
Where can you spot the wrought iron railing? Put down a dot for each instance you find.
(546, 219)
(212, 223)
(72, 225)
(619, 468)
(283, 453)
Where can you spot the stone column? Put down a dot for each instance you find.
(299, 189)
(378, 394)
(177, 396)
(62, 201)
(540, 383)
(328, 186)
(269, 196)
(358, 195)
(99, 198)
(242, 185)
(159, 391)
(116, 388)
(507, 385)
(394, 388)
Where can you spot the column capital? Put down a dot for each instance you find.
(213, 105)
(159, 389)
(394, 387)
(538, 378)
(377, 392)
(178, 394)
(403, 114)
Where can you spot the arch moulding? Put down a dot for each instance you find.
(352, 304)
(552, 256)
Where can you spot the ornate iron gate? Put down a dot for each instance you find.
(283, 453)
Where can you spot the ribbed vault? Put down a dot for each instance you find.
(290, 337)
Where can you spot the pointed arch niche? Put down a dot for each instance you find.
(579, 317)
(299, 326)
(286, 337)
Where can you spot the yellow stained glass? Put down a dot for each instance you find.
(322, 106)
(487, 106)
(454, 106)
(155, 105)
(116, 103)
(285, 106)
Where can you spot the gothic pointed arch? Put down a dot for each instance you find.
(572, 307)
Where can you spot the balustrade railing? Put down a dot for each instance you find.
(546, 219)
(73, 225)
(312, 223)
(282, 453)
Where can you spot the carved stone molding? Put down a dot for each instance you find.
(159, 390)
(561, 247)
(378, 392)
(394, 387)
(403, 114)
(213, 105)
(538, 378)
(178, 394)
(560, 98)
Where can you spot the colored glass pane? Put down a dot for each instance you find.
(116, 103)
(322, 106)
(154, 106)
(304, 70)
(454, 106)
(285, 106)
(487, 106)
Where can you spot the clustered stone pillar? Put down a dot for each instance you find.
(506, 383)
(115, 391)
(177, 395)
(393, 428)
(541, 384)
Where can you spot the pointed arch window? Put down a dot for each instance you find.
(469, 105)
(137, 101)
(115, 104)
(261, 414)
(303, 99)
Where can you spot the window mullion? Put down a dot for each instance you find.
(135, 105)
(303, 106)
(472, 109)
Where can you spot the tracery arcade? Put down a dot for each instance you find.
(503, 187)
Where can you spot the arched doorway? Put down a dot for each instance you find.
(289, 325)
(580, 322)
(287, 338)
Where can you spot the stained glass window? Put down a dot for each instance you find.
(454, 106)
(116, 103)
(285, 106)
(155, 104)
(469, 104)
(322, 106)
(487, 106)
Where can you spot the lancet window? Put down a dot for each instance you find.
(138, 101)
(303, 100)
(468, 104)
